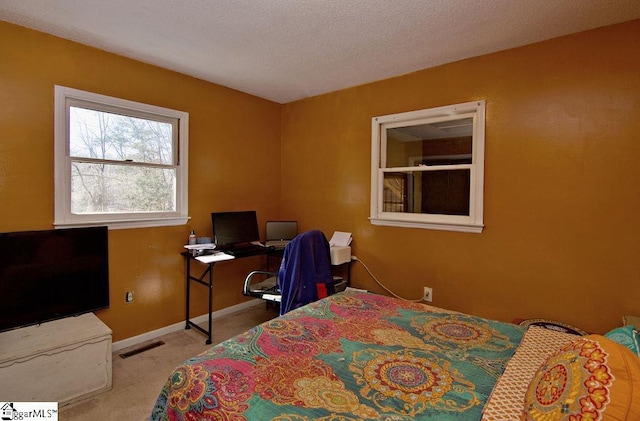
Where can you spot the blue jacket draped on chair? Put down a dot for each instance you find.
(305, 271)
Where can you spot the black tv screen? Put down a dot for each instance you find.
(48, 275)
(234, 227)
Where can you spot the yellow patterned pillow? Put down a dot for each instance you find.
(591, 378)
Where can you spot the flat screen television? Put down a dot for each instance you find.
(48, 275)
(231, 228)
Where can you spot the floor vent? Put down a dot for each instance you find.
(141, 349)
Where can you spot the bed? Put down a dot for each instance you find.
(354, 356)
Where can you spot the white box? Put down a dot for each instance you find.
(60, 361)
(340, 255)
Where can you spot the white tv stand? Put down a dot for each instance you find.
(60, 361)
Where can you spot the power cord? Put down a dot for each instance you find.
(354, 258)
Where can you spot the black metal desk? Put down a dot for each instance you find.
(210, 261)
(206, 279)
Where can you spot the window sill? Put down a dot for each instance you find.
(472, 228)
(125, 224)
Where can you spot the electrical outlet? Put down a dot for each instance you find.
(428, 294)
(128, 297)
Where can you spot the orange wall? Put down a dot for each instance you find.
(562, 234)
(231, 134)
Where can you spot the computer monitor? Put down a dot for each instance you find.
(281, 230)
(230, 228)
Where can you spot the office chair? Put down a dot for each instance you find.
(304, 275)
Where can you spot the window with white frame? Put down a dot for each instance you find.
(427, 168)
(118, 163)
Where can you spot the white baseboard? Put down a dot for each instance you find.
(135, 340)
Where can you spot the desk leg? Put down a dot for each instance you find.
(210, 302)
(188, 278)
(208, 271)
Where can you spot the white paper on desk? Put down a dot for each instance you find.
(208, 246)
(340, 239)
(211, 258)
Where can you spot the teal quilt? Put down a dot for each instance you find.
(350, 356)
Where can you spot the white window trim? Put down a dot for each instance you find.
(474, 223)
(62, 163)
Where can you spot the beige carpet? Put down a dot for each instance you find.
(137, 380)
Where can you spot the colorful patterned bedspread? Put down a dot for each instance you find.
(350, 356)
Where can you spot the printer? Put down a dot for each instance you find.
(340, 248)
(340, 254)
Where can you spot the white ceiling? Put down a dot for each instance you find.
(285, 50)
